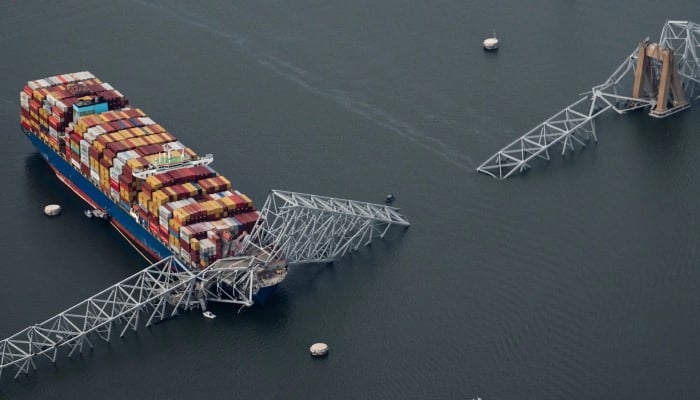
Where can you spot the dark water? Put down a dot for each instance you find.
(576, 281)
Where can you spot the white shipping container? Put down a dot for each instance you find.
(118, 164)
(114, 194)
(206, 246)
(61, 106)
(186, 233)
(107, 86)
(53, 133)
(84, 146)
(50, 99)
(23, 98)
(146, 120)
(95, 176)
(75, 163)
(83, 75)
(92, 133)
(84, 158)
(34, 85)
(127, 155)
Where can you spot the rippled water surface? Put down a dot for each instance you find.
(575, 281)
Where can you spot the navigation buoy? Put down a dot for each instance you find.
(52, 210)
(318, 349)
(491, 43)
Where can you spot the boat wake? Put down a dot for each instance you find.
(317, 85)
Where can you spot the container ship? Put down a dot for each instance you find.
(163, 197)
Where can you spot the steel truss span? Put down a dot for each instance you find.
(305, 228)
(292, 228)
(152, 295)
(574, 125)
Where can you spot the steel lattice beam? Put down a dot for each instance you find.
(153, 294)
(140, 294)
(575, 124)
(304, 228)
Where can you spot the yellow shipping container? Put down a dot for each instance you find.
(99, 146)
(168, 191)
(135, 163)
(143, 199)
(124, 192)
(138, 141)
(227, 202)
(213, 207)
(118, 136)
(247, 199)
(179, 214)
(191, 189)
(174, 242)
(147, 206)
(154, 182)
(174, 224)
(140, 132)
(157, 200)
(194, 244)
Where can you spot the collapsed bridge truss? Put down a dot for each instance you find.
(293, 228)
(664, 77)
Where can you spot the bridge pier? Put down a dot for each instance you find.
(663, 76)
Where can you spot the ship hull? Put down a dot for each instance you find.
(137, 234)
(120, 219)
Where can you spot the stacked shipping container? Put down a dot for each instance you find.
(192, 209)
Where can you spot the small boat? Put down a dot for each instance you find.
(209, 314)
(389, 198)
(97, 213)
(491, 43)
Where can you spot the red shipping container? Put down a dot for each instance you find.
(163, 237)
(153, 227)
(184, 244)
(107, 163)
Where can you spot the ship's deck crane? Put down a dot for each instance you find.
(663, 76)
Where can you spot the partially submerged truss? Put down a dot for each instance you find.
(293, 228)
(665, 78)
